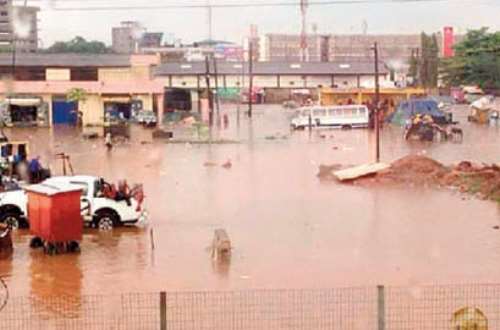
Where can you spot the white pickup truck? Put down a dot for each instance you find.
(97, 210)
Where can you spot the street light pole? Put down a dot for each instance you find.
(250, 77)
(377, 108)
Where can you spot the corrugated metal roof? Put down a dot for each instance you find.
(66, 60)
(271, 68)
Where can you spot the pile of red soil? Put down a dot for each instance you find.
(414, 169)
(481, 180)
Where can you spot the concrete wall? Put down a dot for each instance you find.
(93, 110)
(292, 82)
(47, 98)
(315, 81)
(264, 81)
(235, 81)
(183, 82)
(346, 81)
(147, 101)
(124, 74)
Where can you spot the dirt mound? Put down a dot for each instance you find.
(414, 169)
(417, 164)
(481, 180)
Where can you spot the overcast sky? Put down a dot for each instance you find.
(233, 23)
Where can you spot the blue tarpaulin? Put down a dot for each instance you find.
(407, 109)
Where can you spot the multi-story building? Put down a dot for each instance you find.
(151, 40)
(130, 37)
(125, 37)
(287, 47)
(18, 26)
(322, 48)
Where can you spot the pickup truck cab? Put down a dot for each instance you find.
(97, 210)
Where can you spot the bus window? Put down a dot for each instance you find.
(362, 111)
(319, 112)
(349, 112)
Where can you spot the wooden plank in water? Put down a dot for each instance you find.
(360, 171)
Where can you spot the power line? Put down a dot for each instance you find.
(232, 5)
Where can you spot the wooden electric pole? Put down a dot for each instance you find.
(209, 92)
(250, 77)
(377, 107)
(217, 101)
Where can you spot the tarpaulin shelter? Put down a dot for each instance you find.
(408, 109)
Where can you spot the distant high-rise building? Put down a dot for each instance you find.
(287, 47)
(18, 26)
(322, 48)
(131, 37)
(151, 39)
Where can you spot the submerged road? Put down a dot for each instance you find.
(288, 229)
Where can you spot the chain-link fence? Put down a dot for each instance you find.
(379, 308)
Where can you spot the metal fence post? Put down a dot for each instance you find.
(163, 310)
(381, 307)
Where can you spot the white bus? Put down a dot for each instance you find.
(342, 116)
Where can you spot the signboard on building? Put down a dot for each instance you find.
(448, 42)
(229, 52)
(58, 74)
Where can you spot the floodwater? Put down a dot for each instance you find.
(288, 229)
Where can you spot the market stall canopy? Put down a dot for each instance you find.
(24, 102)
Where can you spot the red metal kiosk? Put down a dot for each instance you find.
(54, 216)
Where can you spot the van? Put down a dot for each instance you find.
(342, 116)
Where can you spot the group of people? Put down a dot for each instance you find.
(111, 191)
(121, 192)
(424, 126)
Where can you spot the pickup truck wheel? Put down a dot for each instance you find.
(105, 221)
(12, 219)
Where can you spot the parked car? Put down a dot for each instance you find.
(97, 210)
(146, 117)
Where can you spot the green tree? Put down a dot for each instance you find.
(79, 45)
(476, 61)
(424, 62)
(413, 69)
(77, 95)
(429, 65)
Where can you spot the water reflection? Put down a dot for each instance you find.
(55, 277)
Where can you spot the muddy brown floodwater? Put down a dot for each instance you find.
(287, 228)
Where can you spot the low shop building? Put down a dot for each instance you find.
(39, 93)
(277, 79)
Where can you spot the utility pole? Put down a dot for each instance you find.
(217, 105)
(13, 69)
(250, 77)
(377, 108)
(303, 36)
(209, 93)
(419, 67)
(209, 14)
